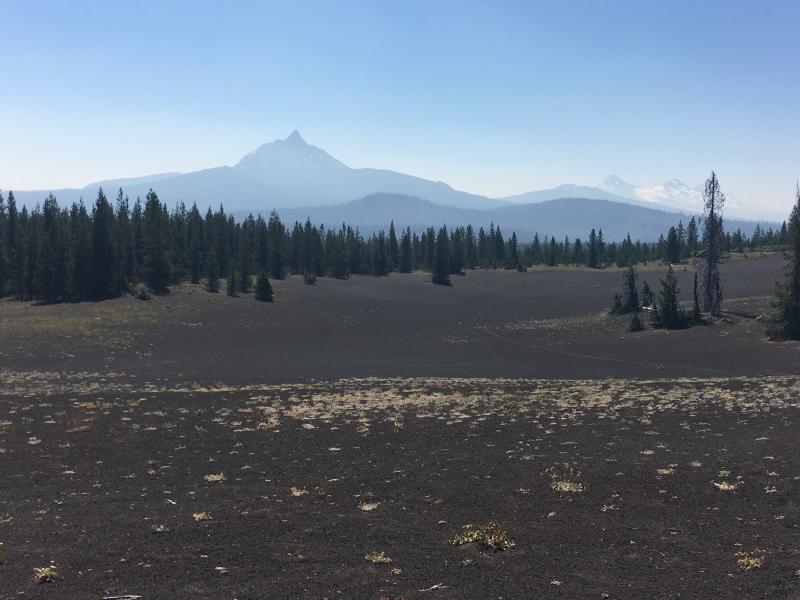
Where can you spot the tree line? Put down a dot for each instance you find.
(53, 253)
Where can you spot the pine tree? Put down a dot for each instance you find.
(394, 249)
(3, 252)
(712, 283)
(277, 246)
(232, 287)
(406, 259)
(669, 313)
(50, 282)
(154, 243)
(12, 247)
(380, 260)
(673, 250)
(212, 271)
(102, 264)
(441, 267)
(697, 317)
(628, 302)
(125, 267)
(263, 288)
(648, 298)
(80, 253)
(593, 259)
(513, 252)
(786, 322)
(195, 234)
(691, 237)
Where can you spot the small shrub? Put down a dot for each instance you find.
(490, 536)
(636, 324)
(263, 288)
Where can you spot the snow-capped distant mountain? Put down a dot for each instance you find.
(673, 193)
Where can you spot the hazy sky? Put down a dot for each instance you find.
(491, 97)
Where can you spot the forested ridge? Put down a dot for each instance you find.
(53, 253)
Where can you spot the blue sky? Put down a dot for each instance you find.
(491, 97)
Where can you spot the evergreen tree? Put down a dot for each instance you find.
(277, 246)
(263, 288)
(102, 264)
(691, 237)
(154, 243)
(593, 258)
(786, 322)
(232, 287)
(673, 250)
(50, 282)
(195, 235)
(457, 252)
(712, 283)
(405, 263)
(669, 313)
(394, 249)
(13, 277)
(124, 249)
(380, 259)
(697, 317)
(630, 292)
(212, 271)
(648, 298)
(441, 268)
(80, 254)
(513, 252)
(3, 252)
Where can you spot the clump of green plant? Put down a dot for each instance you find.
(490, 536)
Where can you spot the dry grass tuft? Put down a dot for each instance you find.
(46, 574)
(378, 558)
(750, 560)
(565, 478)
(491, 536)
(728, 486)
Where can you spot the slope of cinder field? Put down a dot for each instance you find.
(356, 488)
(541, 324)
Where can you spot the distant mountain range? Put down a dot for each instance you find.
(300, 180)
(572, 217)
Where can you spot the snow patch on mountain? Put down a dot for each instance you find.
(673, 193)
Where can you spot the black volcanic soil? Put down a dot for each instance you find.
(544, 323)
(199, 446)
(672, 488)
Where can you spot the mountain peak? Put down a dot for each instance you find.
(614, 184)
(295, 138)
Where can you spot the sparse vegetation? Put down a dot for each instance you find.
(378, 558)
(489, 536)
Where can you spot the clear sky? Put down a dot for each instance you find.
(492, 97)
